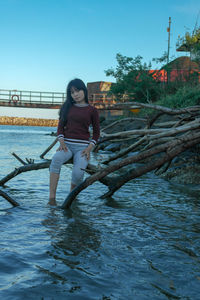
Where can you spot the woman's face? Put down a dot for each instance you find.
(78, 95)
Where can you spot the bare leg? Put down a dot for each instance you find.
(54, 177)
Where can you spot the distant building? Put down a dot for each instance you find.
(180, 69)
(98, 90)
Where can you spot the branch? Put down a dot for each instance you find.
(125, 151)
(154, 132)
(26, 168)
(122, 120)
(134, 173)
(43, 165)
(49, 148)
(166, 110)
(8, 198)
(154, 118)
(195, 137)
(19, 159)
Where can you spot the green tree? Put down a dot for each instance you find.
(191, 41)
(134, 79)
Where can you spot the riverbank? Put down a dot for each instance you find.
(20, 121)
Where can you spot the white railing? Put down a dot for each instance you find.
(32, 97)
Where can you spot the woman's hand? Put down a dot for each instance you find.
(62, 146)
(86, 151)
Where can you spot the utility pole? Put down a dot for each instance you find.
(168, 30)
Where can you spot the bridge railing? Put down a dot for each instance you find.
(52, 99)
(31, 97)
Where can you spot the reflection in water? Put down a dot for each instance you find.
(142, 243)
(72, 236)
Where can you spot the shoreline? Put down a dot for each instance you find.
(21, 121)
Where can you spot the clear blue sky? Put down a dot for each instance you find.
(46, 43)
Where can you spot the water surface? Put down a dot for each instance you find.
(143, 243)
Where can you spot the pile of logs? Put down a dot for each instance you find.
(156, 145)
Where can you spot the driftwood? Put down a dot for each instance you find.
(120, 121)
(26, 168)
(8, 198)
(156, 163)
(171, 150)
(49, 148)
(157, 145)
(162, 109)
(125, 151)
(19, 159)
(44, 165)
(183, 134)
(157, 133)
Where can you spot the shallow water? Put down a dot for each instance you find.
(143, 243)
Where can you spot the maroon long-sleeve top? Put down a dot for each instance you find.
(78, 123)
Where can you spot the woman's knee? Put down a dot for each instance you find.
(57, 161)
(77, 176)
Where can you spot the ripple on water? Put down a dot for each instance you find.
(141, 243)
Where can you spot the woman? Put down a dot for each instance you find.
(75, 117)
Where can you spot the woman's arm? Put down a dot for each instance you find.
(95, 126)
(60, 134)
(95, 135)
(86, 151)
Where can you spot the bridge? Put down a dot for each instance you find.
(52, 100)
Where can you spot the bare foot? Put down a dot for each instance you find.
(52, 202)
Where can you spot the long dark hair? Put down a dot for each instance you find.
(65, 108)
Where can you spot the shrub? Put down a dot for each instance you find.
(184, 97)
